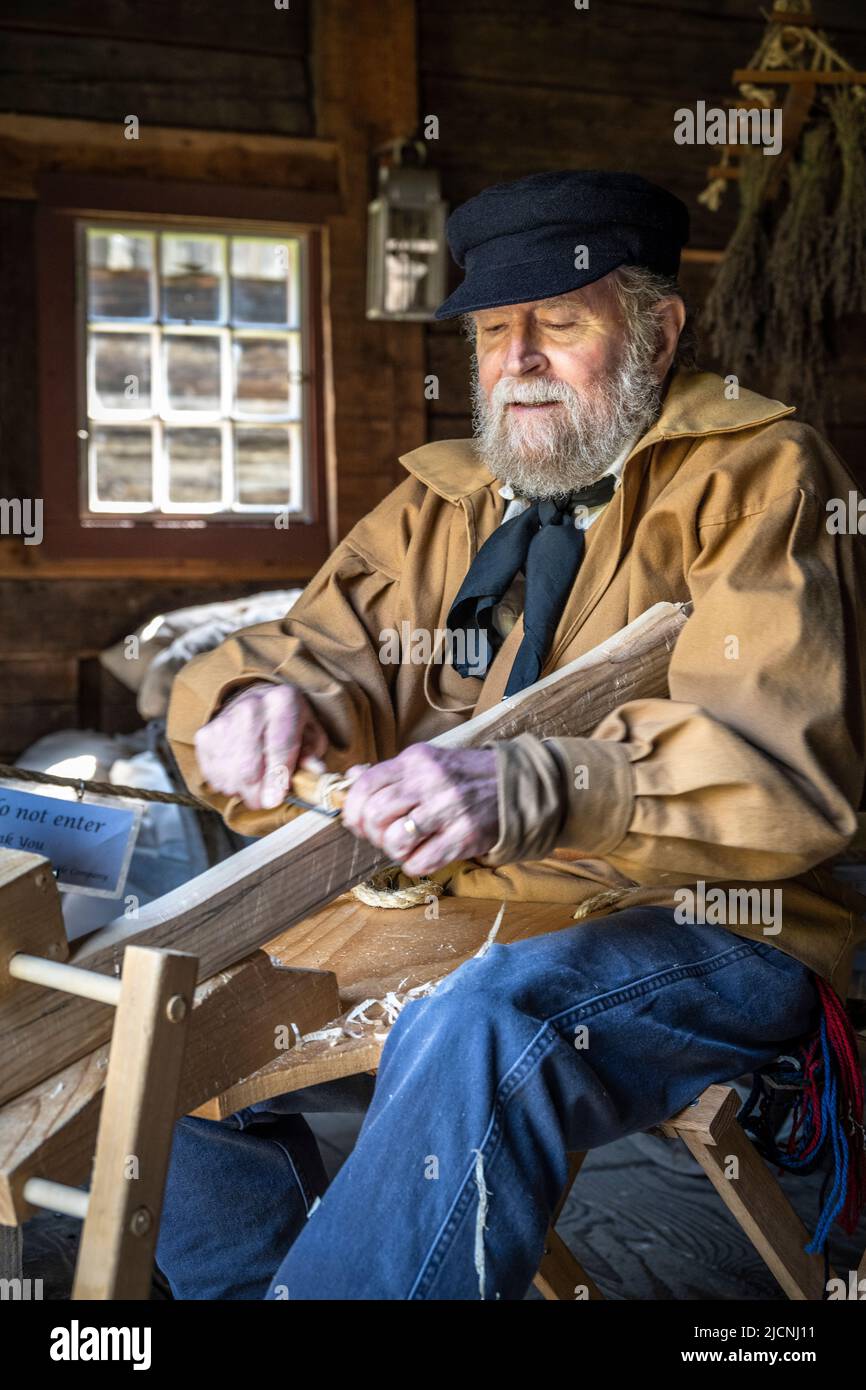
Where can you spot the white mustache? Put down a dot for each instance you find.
(509, 391)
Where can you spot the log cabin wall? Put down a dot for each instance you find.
(516, 87)
(519, 88)
(326, 81)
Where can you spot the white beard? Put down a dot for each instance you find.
(546, 454)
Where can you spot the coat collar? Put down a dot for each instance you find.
(694, 405)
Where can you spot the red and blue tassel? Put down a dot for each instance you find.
(827, 1118)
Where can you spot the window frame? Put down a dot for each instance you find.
(64, 202)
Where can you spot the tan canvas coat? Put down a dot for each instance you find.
(749, 774)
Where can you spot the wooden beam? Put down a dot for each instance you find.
(33, 145)
(361, 103)
(241, 903)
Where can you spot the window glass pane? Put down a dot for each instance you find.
(409, 252)
(121, 463)
(263, 367)
(194, 460)
(194, 389)
(120, 364)
(266, 469)
(264, 276)
(119, 274)
(192, 372)
(193, 274)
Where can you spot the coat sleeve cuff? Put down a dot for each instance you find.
(568, 793)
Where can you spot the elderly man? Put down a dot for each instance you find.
(604, 475)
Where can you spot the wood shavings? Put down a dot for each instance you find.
(357, 1023)
(491, 935)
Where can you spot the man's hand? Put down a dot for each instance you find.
(255, 743)
(448, 797)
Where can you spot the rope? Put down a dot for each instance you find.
(827, 1124)
(79, 784)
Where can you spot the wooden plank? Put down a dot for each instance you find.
(280, 880)
(115, 1255)
(50, 1131)
(31, 679)
(17, 563)
(835, 14)
(19, 439)
(31, 144)
(449, 359)
(94, 613)
(161, 84)
(371, 950)
(195, 23)
(620, 47)
(30, 916)
(449, 427)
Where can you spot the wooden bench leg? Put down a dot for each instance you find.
(136, 1125)
(559, 1275)
(710, 1131)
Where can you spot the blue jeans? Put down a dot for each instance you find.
(562, 1042)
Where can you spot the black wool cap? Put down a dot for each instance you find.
(522, 241)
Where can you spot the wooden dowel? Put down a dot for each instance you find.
(52, 974)
(310, 786)
(56, 1196)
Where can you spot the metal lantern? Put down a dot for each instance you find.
(406, 251)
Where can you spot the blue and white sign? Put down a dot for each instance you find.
(88, 842)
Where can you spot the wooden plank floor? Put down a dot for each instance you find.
(642, 1218)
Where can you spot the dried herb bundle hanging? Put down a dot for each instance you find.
(848, 114)
(796, 262)
(735, 309)
(799, 274)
